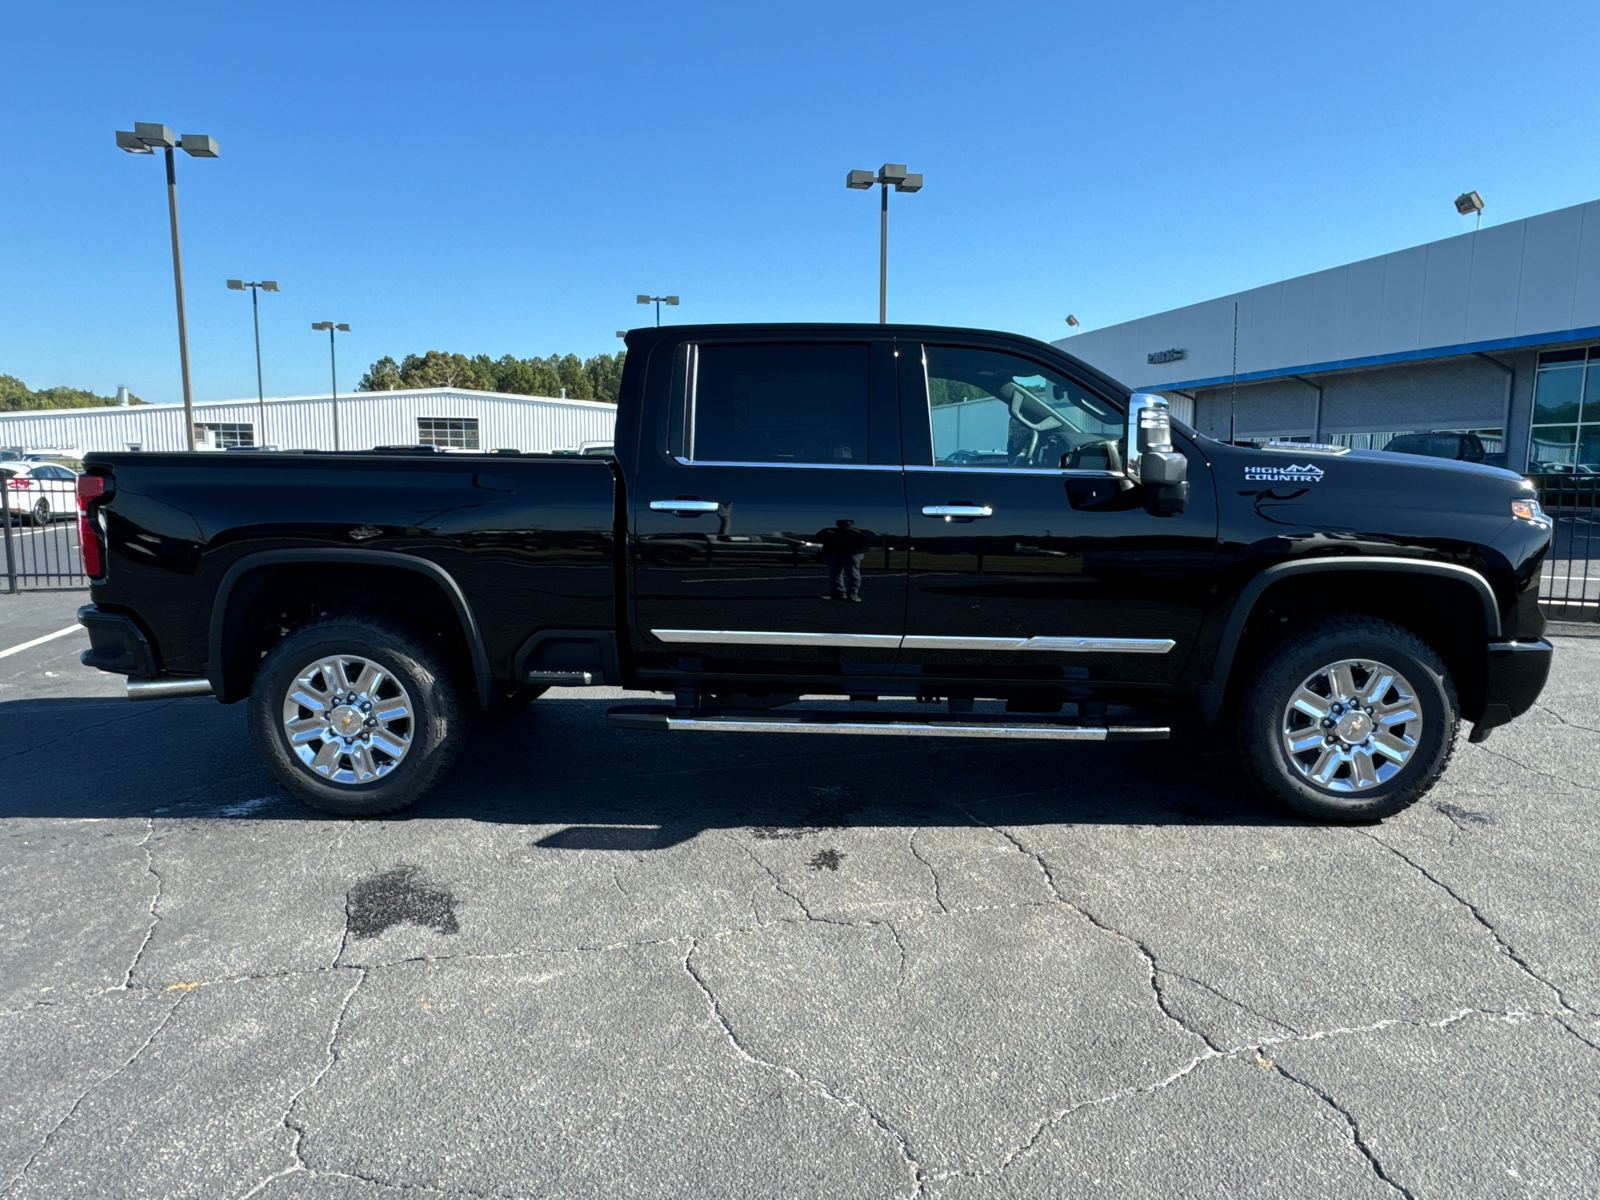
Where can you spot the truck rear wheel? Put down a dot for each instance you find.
(355, 716)
(1348, 718)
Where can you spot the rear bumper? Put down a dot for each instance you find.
(1515, 675)
(116, 644)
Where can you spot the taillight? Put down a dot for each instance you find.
(90, 487)
(18, 482)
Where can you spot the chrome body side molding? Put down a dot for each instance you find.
(890, 641)
(742, 637)
(1053, 645)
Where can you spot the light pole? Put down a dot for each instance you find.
(659, 301)
(889, 173)
(143, 140)
(333, 368)
(1470, 203)
(1072, 323)
(265, 285)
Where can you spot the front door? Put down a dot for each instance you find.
(1032, 558)
(770, 525)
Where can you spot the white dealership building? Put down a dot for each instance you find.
(1495, 332)
(455, 418)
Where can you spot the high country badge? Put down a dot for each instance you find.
(1310, 473)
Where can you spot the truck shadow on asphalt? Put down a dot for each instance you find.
(556, 763)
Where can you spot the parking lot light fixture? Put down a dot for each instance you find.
(658, 301)
(889, 175)
(333, 369)
(146, 138)
(265, 285)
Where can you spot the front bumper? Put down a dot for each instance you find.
(1515, 675)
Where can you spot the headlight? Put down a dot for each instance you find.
(1529, 510)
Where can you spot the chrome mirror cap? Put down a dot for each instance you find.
(1149, 428)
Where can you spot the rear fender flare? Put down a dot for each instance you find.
(482, 675)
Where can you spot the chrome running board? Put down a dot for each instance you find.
(167, 689)
(663, 719)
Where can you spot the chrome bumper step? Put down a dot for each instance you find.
(663, 719)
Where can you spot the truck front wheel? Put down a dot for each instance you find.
(354, 715)
(1348, 718)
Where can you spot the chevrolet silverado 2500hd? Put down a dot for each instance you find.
(872, 512)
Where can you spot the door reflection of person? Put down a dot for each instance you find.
(843, 548)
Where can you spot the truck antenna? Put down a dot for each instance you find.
(1233, 394)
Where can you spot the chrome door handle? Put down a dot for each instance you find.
(684, 507)
(950, 511)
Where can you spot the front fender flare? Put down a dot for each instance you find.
(1213, 691)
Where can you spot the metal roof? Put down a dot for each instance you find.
(1529, 282)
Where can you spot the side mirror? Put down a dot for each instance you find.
(1151, 459)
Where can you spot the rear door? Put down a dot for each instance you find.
(1032, 558)
(769, 517)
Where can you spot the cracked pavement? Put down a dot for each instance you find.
(601, 963)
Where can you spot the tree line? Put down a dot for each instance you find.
(596, 378)
(16, 396)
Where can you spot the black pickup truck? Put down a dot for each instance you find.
(880, 513)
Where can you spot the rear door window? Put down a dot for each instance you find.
(780, 403)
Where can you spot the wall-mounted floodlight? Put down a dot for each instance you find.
(889, 175)
(658, 301)
(146, 138)
(1470, 204)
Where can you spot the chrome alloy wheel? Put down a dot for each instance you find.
(1352, 725)
(348, 720)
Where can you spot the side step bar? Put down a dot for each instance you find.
(985, 725)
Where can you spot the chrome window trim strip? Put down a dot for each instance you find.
(838, 466)
(751, 637)
(887, 641)
(1072, 472)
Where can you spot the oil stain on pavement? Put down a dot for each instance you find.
(398, 897)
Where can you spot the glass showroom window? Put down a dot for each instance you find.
(1566, 413)
(451, 433)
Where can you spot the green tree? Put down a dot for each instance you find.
(16, 396)
(383, 377)
(596, 378)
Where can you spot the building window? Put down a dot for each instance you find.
(451, 433)
(225, 435)
(1566, 413)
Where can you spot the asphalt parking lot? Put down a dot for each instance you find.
(602, 963)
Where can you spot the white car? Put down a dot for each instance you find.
(41, 492)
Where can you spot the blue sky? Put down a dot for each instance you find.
(505, 178)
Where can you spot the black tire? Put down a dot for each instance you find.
(1311, 651)
(40, 514)
(429, 738)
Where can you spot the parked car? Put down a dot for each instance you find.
(40, 492)
(1328, 615)
(1465, 447)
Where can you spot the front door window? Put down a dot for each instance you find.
(991, 409)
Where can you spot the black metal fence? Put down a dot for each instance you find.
(40, 557)
(1570, 585)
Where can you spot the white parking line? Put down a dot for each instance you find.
(18, 649)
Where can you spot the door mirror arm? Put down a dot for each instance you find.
(1151, 460)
